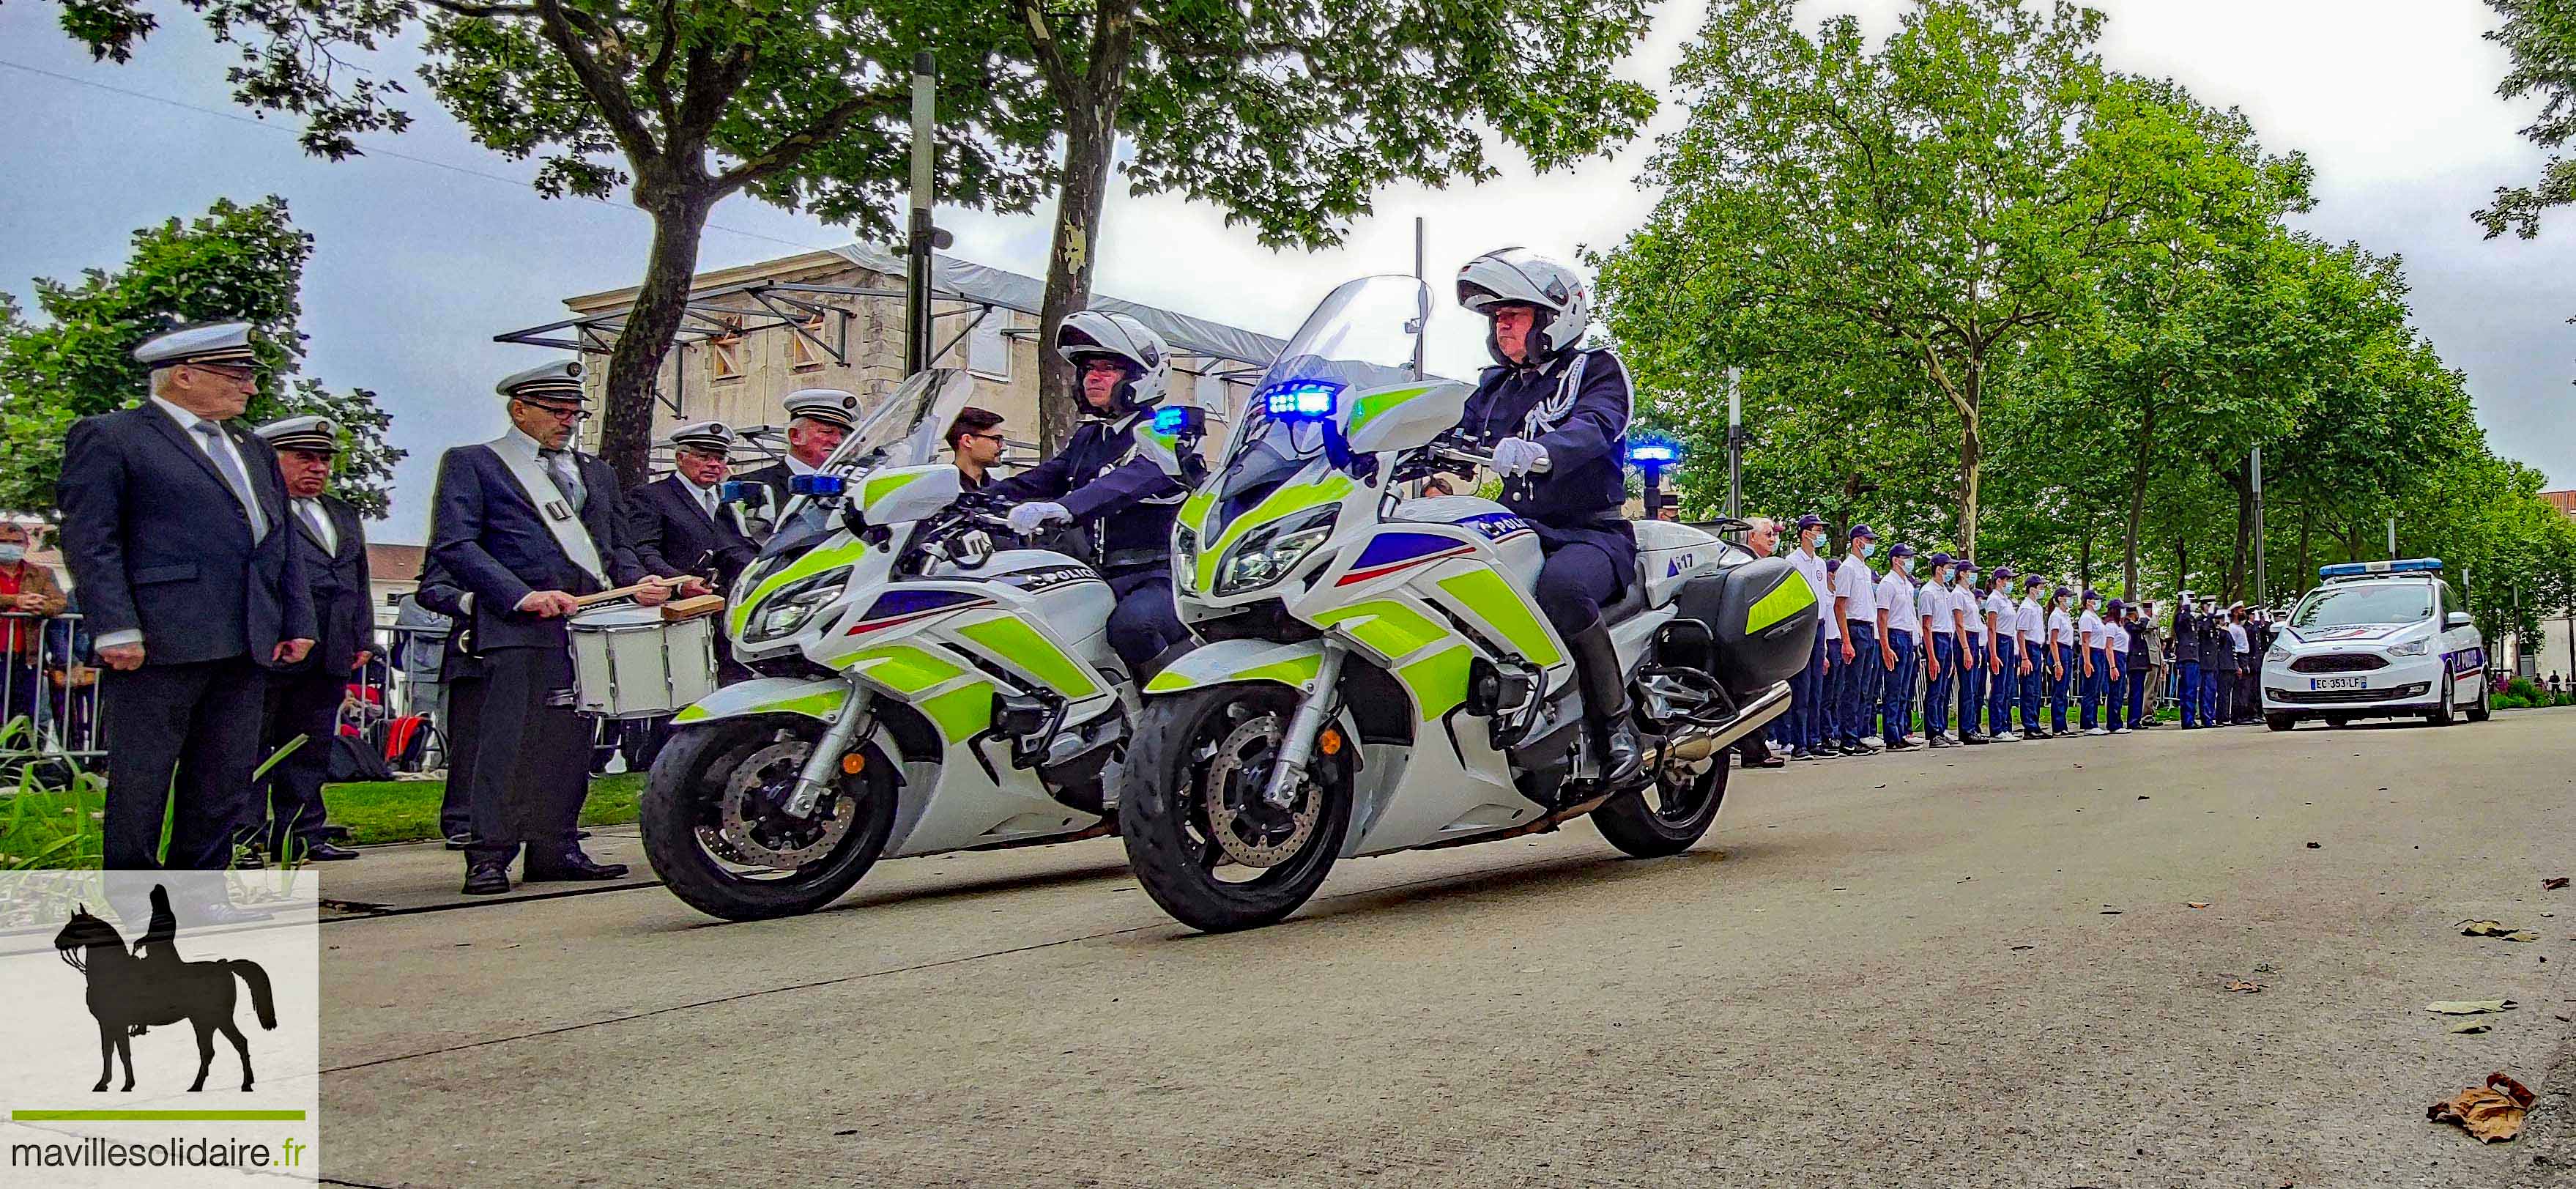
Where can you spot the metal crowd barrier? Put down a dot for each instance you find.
(49, 694)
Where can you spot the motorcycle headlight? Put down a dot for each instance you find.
(2411, 647)
(2280, 652)
(790, 607)
(1271, 552)
(1185, 557)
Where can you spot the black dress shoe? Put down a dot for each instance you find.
(572, 866)
(224, 913)
(1972, 739)
(330, 852)
(487, 879)
(1769, 761)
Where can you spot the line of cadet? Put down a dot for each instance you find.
(2010, 653)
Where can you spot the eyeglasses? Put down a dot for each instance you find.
(240, 373)
(994, 438)
(559, 413)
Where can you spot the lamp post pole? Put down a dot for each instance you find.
(1734, 442)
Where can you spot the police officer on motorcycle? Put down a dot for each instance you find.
(1098, 481)
(1554, 417)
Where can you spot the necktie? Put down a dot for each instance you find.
(233, 474)
(322, 528)
(567, 476)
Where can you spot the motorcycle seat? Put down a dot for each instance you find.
(1631, 601)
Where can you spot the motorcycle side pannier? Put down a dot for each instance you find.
(1760, 619)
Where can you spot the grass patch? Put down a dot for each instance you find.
(41, 827)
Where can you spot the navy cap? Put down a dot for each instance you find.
(1832, 564)
(1966, 567)
(2115, 606)
(2091, 595)
(2063, 592)
(1938, 560)
(1862, 530)
(1899, 549)
(2004, 573)
(1810, 520)
(2034, 582)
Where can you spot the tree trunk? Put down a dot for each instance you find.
(2242, 479)
(1090, 138)
(2138, 471)
(635, 364)
(1972, 447)
(2307, 522)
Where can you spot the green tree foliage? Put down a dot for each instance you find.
(800, 103)
(236, 262)
(2540, 38)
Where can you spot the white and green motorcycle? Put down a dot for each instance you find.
(1377, 675)
(920, 690)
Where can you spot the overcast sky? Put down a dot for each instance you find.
(419, 262)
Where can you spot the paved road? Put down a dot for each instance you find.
(1955, 968)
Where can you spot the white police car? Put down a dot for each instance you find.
(2382, 639)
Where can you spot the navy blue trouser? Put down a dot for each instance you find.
(2096, 687)
(2114, 703)
(1972, 684)
(1936, 692)
(2001, 684)
(1145, 621)
(2135, 675)
(1806, 717)
(2033, 684)
(2189, 693)
(1859, 684)
(2061, 682)
(1896, 693)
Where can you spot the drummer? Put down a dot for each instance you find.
(527, 525)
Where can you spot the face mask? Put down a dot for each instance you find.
(1866, 550)
(11, 555)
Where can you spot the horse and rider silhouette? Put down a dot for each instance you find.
(149, 986)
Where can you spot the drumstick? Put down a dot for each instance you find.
(624, 592)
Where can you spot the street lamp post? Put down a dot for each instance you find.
(1734, 442)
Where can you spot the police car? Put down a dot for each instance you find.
(2381, 639)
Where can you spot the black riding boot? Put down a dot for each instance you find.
(1605, 704)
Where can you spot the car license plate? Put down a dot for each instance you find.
(2316, 683)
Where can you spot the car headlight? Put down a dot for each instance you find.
(787, 610)
(1270, 553)
(2411, 647)
(2280, 652)
(1185, 557)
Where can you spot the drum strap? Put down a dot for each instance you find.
(551, 505)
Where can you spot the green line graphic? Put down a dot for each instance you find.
(19, 1116)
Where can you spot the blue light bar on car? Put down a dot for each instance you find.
(2354, 569)
(820, 485)
(1301, 398)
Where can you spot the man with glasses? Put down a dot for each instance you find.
(817, 420)
(528, 525)
(177, 530)
(976, 437)
(680, 522)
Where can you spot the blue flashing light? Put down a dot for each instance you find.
(2355, 569)
(817, 485)
(1170, 420)
(1653, 452)
(1301, 398)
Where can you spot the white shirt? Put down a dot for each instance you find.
(2029, 621)
(1859, 588)
(706, 496)
(2116, 640)
(2000, 605)
(1935, 603)
(1896, 593)
(313, 513)
(1812, 568)
(2236, 638)
(2091, 628)
(1965, 600)
(2060, 628)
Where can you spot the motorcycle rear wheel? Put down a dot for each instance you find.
(681, 809)
(1668, 816)
(1164, 809)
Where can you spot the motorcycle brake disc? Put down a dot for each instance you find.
(749, 827)
(1237, 822)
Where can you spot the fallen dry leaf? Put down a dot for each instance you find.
(2496, 929)
(2471, 1027)
(2195, 903)
(2243, 987)
(2553, 883)
(2493, 1112)
(2469, 1007)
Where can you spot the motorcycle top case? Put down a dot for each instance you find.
(1760, 618)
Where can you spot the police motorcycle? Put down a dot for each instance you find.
(1377, 675)
(922, 689)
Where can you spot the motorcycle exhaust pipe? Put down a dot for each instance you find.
(1700, 745)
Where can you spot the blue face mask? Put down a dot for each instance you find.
(1868, 548)
(11, 555)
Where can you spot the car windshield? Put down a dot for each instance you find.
(1361, 336)
(2370, 603)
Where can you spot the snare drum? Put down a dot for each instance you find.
(629, 662)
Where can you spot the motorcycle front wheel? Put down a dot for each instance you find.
(716, 832)
(1203, 840)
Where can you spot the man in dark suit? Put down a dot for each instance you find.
(175, 527)
(304, 701)
(527, 525)
(817, 420)
(679, 522)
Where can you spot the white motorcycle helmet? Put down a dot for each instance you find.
(1518, 276)
(1094, 333)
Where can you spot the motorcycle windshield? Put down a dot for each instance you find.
(903, 430)
(1360, 337)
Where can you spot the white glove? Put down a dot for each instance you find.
(1028, 518)
(1514, 457)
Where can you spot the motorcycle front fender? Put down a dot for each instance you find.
(1228, 661)
(819, 699)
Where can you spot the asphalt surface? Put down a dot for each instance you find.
(1944, 968)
